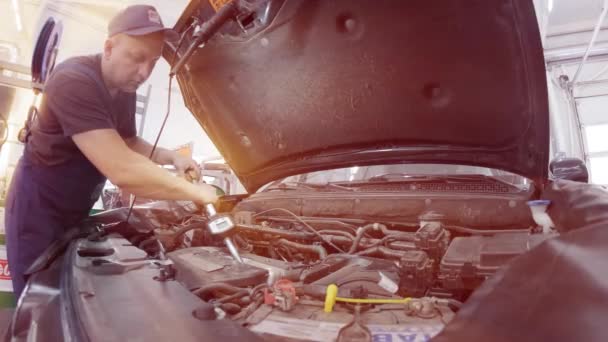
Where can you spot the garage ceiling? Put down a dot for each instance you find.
(572, 16)
(84, 21)
(92, 16)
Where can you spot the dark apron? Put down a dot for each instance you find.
(43, 202)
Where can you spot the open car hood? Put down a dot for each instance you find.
(313, 85)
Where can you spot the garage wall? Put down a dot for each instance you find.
(591, 99)
(579, 120)
(181, 126)
(583, 129)
(84, 32)
(565, 137)
(86, 39)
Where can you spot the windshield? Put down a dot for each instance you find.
(397, 172)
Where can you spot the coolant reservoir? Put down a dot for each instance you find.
(540, 216)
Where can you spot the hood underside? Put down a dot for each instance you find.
(312, 85)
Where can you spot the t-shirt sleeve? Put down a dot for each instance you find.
(77, 102)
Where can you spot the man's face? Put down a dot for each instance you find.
(130, 59)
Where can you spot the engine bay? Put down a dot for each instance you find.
(339, 277)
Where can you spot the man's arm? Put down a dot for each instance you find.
(576, 205)
(134, 172)
(163, 156)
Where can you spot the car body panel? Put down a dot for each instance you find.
(328, 84)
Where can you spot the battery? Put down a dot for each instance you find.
(199, 266)
(470, 260)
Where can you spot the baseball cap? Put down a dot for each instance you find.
(139, 20)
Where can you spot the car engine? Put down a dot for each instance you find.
(334, 276)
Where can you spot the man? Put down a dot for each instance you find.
(85, 132)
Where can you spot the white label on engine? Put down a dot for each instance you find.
(387, 283)
(328, 331)
(383, 333)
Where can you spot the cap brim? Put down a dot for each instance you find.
(170, 35)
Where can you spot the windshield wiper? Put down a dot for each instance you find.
(290, 186)
(336, 186)
(308, 186)
(404, 177)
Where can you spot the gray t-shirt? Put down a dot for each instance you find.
(76, 101)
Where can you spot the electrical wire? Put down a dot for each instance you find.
(230, 308)
(258, 288)
(162, 127)
(160, 132)
(474, 231)
(243, 244)
(455, 303)
(153, 241)
(336, 232)
(186, 228)
(373, 300)
(249, 309)
(331, 297)
(305, 224)
(352, 228)
(360, 233)
(289, 254)
(236, 295)
(221, 287)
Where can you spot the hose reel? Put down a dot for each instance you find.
(43, 62)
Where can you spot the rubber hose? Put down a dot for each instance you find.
(337, 232)
(304, 248)
(148, 243)
(257, 229)
(381, 251)
(223, 287)
(455, 303)
(183, 230)
(360, 233)
(233, 296)
(230, 308)
(398, 235)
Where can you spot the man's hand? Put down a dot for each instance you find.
(164, 156)
(185, 164)
(208, 194)
(576, 205)
(186, 168)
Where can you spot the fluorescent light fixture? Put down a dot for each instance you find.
(550, 5)
(17, 15)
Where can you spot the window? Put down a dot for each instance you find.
(596, 138)
(599, 170)
(596, 146)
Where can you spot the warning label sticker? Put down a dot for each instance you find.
(328, 331)
(6, 284)
(4, 272)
